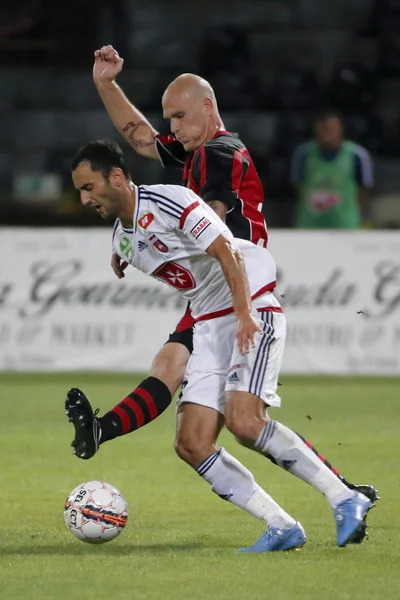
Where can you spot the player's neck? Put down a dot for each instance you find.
(128, 204)
(215, 126)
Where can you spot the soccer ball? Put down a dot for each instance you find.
(95, 512)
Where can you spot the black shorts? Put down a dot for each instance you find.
(183, 333)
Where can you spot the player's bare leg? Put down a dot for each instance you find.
(144, 404)
(198, 428)
(169, 365)
(197, 431)
(247, 419)
(152, 396)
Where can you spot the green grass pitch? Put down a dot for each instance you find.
(180, 539)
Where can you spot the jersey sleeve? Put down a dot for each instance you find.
(183, 210)
(170, 151)
(218, 171)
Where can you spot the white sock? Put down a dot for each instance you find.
(293, 455)
(233, 482)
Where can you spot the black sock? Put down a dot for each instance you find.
(144, 404)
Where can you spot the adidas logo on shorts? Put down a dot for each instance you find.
(233, 377)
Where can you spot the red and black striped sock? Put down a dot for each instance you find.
(144, 404)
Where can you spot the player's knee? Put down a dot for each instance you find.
(191, 451)
(243, 427)
(243, 415)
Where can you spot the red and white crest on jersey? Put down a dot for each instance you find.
(157, 243)
(175, 275)
(146, 220)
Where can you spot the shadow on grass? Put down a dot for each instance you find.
(92, 549)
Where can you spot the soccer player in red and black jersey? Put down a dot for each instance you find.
(222, 173)
(217, 166)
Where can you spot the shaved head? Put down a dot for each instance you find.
(190, 104)
(192, 85)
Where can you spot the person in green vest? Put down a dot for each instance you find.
(332, 176)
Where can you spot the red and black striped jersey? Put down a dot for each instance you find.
(222, 169)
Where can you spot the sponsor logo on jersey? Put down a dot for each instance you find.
(175, 275)
(125, 247)
(145, 220)
(142, 246)
(200, 227)
(161, 247)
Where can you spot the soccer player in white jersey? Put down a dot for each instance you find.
(169, 233)
(216, 165)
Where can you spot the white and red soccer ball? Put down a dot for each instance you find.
(95, 512)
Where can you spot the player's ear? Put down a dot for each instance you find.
(117, 177)
(208, 103)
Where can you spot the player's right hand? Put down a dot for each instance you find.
(107, 65)
(118, 265)
(247, 327)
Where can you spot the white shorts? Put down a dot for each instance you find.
(216, 365)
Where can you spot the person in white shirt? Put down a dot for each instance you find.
(168, 232)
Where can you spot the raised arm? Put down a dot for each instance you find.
(128, 120)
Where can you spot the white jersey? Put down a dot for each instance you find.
(172, 229)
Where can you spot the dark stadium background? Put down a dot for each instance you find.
(273, 63)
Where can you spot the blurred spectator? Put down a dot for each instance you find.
(332, 176)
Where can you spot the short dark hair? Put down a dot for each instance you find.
(328, 113)
(103, 156)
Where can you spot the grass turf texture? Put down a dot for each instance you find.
(180, 540)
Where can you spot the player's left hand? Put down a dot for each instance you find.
(247, 327)
(118, 265)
